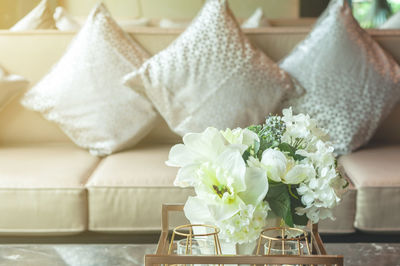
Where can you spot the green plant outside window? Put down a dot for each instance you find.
(373, 13)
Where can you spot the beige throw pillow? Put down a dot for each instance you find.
(213, 76)
(41, 17)
(10, 86)
(64, 21)
(256, 20)
(351, 83)
(83, 92)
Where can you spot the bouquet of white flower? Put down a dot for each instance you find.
(285, 168)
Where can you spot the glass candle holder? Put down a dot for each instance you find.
(199, 239)
(283, 240)
(196, 246)
(283, 248)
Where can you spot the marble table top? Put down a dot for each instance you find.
(122, 254)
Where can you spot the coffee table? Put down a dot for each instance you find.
(132, 254)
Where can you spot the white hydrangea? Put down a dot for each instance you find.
(246, 225)
(301, 126)
(321, 192)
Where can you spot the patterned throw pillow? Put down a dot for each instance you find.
(41, 17)
(10, 86)
(212, 76)
(351, 83)
(83, 92)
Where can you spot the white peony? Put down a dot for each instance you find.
(281, 168)
(274, 162)
(299, 173)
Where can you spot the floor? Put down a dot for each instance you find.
(115, 254)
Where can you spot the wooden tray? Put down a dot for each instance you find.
(319, 255)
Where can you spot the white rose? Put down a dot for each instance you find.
(275, 163)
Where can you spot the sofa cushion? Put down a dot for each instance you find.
(211, 75)
(41, 17)
(344, 215)
(352, 84)
(42, 189)
(91, 105)
(64, 21)
(127, 190)
(10, 86)
(375, 172)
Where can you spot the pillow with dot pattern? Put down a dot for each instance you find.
(351, 83)
(83, 92)
(211, 75)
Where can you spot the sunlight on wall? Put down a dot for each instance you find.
(12, 10)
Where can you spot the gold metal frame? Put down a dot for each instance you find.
(189, 237)
(318, 256)
(303, 236)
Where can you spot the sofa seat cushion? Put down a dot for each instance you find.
(42, 189)
(375, 172)
(127, 190)
(344, 215)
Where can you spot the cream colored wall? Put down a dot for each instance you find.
(272, 8)
(119, 8)
(12, 10)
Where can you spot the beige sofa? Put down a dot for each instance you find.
(48, 186)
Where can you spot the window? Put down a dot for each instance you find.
(373, 13)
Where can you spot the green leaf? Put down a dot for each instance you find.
(286, 147)
(279, 200)
(255, 128)
(262, 148)
(295, 201)
(246, 155)
(256, 147)
(289, 149)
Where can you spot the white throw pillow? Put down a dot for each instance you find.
(131, 24)
(64, 21)
(41, 17)
(83, 92)
(351, 83)
(10, 86)
(392, 23)
(171, 24)
(256, 20)
(212, 76)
